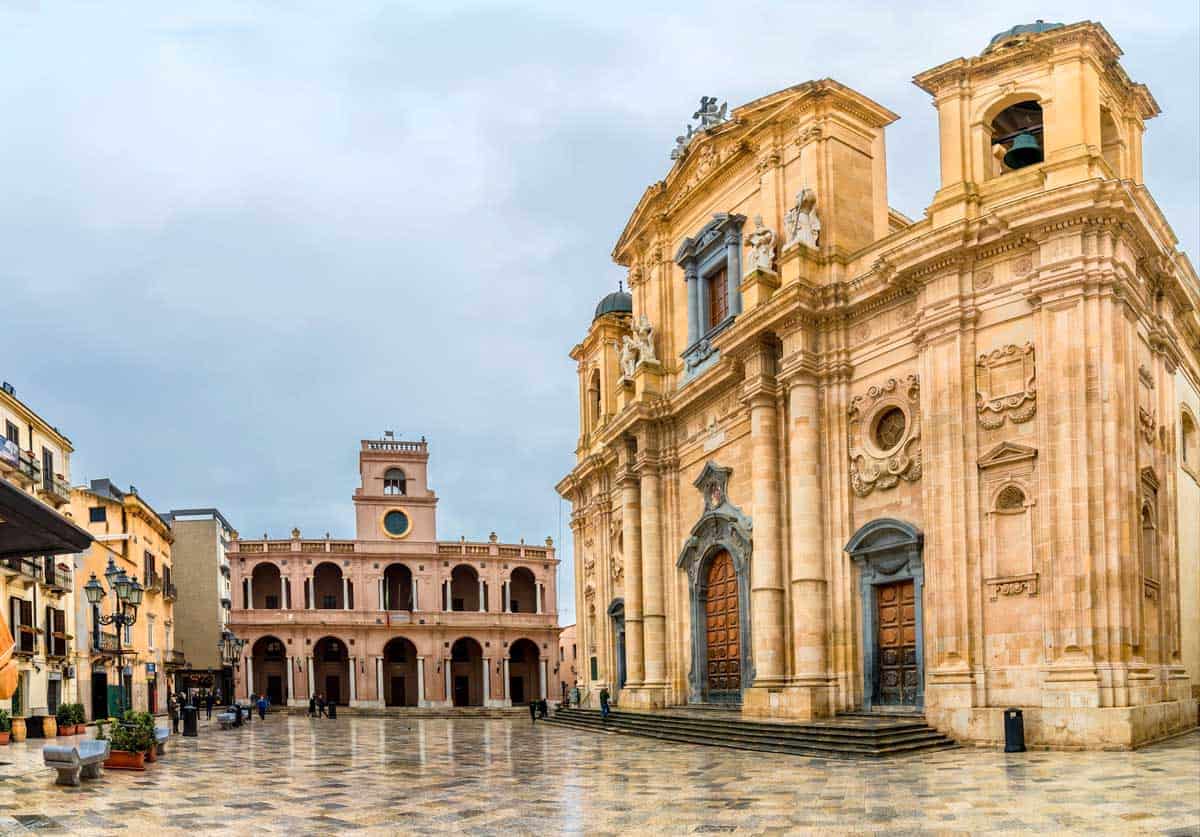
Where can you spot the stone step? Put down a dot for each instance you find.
(835, 738)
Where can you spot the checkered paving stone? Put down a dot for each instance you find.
(299, 776)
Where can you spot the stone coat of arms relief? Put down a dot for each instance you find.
(885, 435)
(1006, 386)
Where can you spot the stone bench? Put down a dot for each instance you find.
(226, 719)
(86, 759)
(161, 734)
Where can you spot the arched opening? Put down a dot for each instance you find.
(329, 593)
(1017, 137)
(394, 482)
(397, 588)
(594, 399)
(267, 587)
(466, 673)
(524, 672)
(465, 588)
(400, 673)
(522, 591)
(269, 658)
(1149, 543)
(616, 612)
(722, 629)
(1112, 148)
(1189, 441)
(331, 670)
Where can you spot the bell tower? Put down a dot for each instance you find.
(1044, 105)
(394, 502)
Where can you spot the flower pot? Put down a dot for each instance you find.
(18, 729)
(4, 737)
(49, 727)
(68, 729)
(125, 760)
(152, 754)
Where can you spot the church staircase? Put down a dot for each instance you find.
(856, 735)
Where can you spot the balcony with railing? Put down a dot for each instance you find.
(24, 570)
(28, 471)
(175, 658)
(54, 490)
(24, 640)
(169, 591)
(152, 581)
(105, 641)
(55, 576)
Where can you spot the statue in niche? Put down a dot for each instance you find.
(643, 340)
(629, 358)
(762, 247)
(802, 223)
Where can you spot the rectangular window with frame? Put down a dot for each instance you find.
(47, 467)
(718, 297)
(23, 628)
(150, 632)
(97, 514)
(12, 433)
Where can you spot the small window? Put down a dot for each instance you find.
(97, 514)
(12, 433)
(1189, 445)
(394, 482)
(889, 428)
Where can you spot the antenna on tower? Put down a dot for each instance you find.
(620, 286)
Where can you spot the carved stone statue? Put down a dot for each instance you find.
(762, 247)
(681, 143)
(643, 340)
(709, 114)
(802, 222)
(629, 358)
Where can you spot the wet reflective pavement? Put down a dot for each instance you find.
(295, 775)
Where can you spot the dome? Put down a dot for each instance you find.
(1023, 29)
(618, 302)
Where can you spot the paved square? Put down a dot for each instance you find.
(297, 776)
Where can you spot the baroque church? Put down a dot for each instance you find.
(835, 459)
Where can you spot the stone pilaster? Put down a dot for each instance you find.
(631, 527)
(654, 628)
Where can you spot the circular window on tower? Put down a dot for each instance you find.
(396, 523)
(890, 427)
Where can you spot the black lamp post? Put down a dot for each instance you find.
(230, 648)
(128, 592)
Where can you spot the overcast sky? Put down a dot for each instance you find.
(238, 240)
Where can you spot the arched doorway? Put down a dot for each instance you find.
(466, 673)
(721, 630)
(400, 673)
(524, 672)
(269, 658)
(888, 554)
(616, 612)
(331, 670)
(329, 593)
(266, 587)
(522, 591)
(397, 588)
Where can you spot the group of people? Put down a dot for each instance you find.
(319, 707)
(538, 709)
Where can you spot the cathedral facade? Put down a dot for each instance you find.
(833, 459)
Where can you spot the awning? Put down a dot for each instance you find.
(29, 527)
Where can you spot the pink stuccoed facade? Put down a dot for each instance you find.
(395, 617)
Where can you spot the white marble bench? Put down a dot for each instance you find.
(85, 758)
(161, 734)
(226, 719)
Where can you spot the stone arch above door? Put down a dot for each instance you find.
(722, 526)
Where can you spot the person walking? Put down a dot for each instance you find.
(209, 700)
(533, 711)
(320, 704)
(604, 704)
(312, 706)
(262, 707)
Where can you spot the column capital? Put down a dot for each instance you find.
(800, 367)
(760, 391)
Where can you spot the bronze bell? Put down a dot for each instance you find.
(1025, 151)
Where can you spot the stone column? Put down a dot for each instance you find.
(482, 595)
(249, 593)
(631, 523)
(487, 681)
(379, 681)
(543, 669)
(766, 565)
(249, 676)
(381, 591)
(507, 697)
(733, 269)
(421, 681)
(353, 681)
(693, 303)
(538, 592)
(446, 595)
(291, 681)
(416, 582)
(810, 666)
(446, 681)
(345, 592)
(654, 636)
(507, 598)
(308, 664)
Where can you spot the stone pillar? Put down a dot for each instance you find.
(446, 596)
(733, 269)
(693, 303)
(654, 633)
(291, 682)
(507, 598)
(538, 592)
(482, 595)
(421, 699)
(353, 681)
(631, 523)
(507, 696)
(249, 676)
(810, 665)
(446, 681)
(249, 593)
(487, 681)
(766, 565)
(543, 670)
(381, 591)
(345, 592)
(379, 681)
(416, 584)
(308, 664)
(309, 600)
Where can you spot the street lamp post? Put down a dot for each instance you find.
(128, 592)
(230, 647)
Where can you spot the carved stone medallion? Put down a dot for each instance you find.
(885, 436)
(1006, 386)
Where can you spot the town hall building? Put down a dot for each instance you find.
(394, 617)
(832, 458)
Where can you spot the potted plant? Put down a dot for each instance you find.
(78, 718)
(5, 727)
(65, 715)
(128, 744)
(144, 722)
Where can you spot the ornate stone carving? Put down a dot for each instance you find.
(1017, 585)
(710, 115)
(1005, 381)
(628, 358)
(1147, 424)
(801, 223)
(643, 340)
(762, 247)
(984, 278)
(885, 436)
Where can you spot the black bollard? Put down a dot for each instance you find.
(1014, 731)
(189, 721)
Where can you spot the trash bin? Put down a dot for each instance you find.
(1014, 730)
(189, 721)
